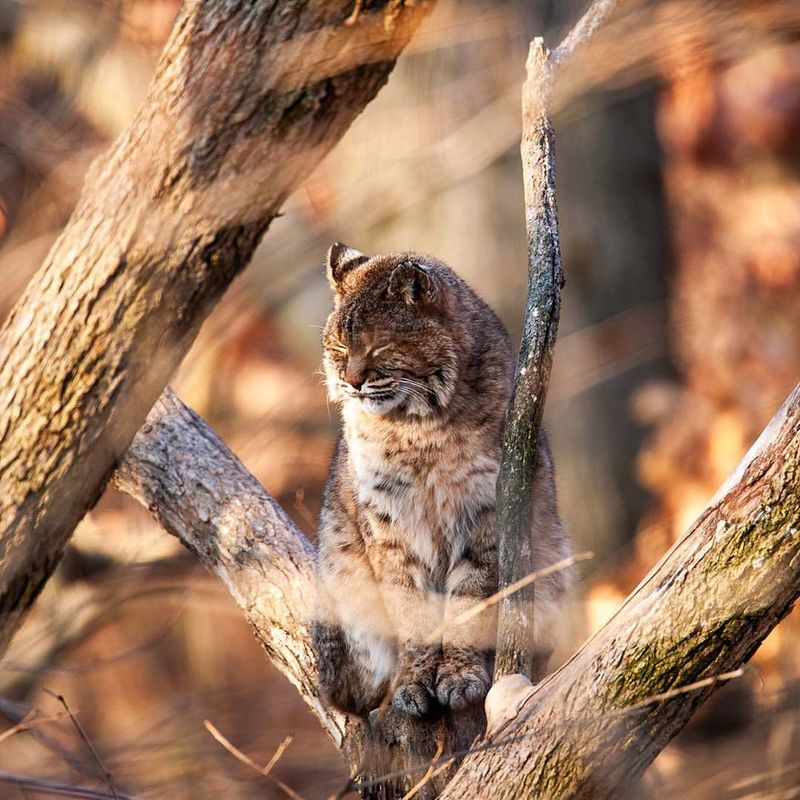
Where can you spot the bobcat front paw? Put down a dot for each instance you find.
(462, 680)
(416, 690)
(414, 699)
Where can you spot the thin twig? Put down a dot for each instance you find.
(264, 772)
(479, 608)
(31, 719)
(428, 775)
(689, 687)
(473, 611)
(63, 789)
(279, 751)
(78, 727)
(595, 16)
(16, 713)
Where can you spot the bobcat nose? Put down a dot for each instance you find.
(356, 380)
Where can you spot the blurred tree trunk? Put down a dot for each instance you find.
(246, 100)
(733, 189)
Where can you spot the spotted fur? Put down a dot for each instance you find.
(422, 369)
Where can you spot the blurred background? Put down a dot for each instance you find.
(678, 140)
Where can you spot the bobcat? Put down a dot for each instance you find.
(422, 369)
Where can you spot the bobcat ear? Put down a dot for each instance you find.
(415, 284)
(341, 260)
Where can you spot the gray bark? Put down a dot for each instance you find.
(85, 354)
(521, 435)
(524, 416)
(702, 612)
(247, 98)
(200, 492)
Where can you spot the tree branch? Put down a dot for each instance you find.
(521, 437)
(246, 100)
(200, 492)
(592, 727)
(180, 470)
(702, 612)
(597, 13)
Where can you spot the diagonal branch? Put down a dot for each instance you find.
(200, 492)
(594, 726)
(247, 99)
(594, 17)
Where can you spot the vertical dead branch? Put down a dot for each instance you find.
(523, 421)
(545, 279)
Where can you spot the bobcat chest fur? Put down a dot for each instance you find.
(421, 488)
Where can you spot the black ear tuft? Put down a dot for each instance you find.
(414, 283)
(342, 259)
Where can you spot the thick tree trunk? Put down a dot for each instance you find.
(247, 98)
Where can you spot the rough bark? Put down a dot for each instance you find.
(521, 435)
(702, 612)
(247, 98)
(524, 417)
(594, 726)
(201, 493)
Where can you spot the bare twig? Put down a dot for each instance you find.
(521, 437)
(29, 721)
(427, 776)
(82, 733)
(597, 13)
(245, 759)
(276, 756)
(63, 789)
(479, 608)
(473, 611)
(16, 712)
